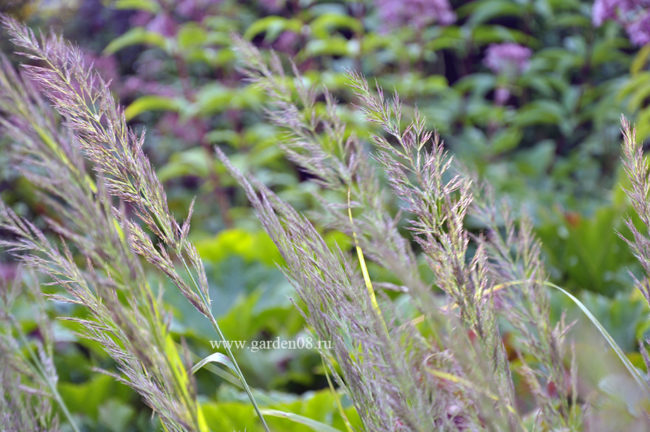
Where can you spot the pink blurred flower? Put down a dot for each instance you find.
(163, 24)
(507, 57)
(639, 30)
(272, 5)
(633, 15)
(416, 13)
(609, 9)
(135, 85)
(501, 95)
(196, 10)
(286, 42)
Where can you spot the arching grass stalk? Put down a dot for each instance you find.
(83, 99)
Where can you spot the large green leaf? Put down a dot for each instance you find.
(482, 11)
(137, 36)
(252, 246)
(272, 26)
(322, 26)
(152, 103)
(540, 112)
(191, 35)
(144, 5)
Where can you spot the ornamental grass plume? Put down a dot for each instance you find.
(638, 173)
(28, 378)
(515, 264)
(125, 314)
(636, 168)
(446, 369)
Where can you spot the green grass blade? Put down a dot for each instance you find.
(610, 340)
(313, 424)
(218, 358)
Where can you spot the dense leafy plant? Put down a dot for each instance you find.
(526, 93)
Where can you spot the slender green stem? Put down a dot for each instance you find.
(229, 352)
(239, 373)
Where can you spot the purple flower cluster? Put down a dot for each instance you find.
(604, 10)
(633, 15)
(272, 5)
(639, 30)
(162, 23)
(166, 22)
(507, 58)
(415, 13)
(195, 10)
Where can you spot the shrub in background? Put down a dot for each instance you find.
(540, 130)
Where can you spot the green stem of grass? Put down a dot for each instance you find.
(229, 352)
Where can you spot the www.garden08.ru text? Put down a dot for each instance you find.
(305, 343)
